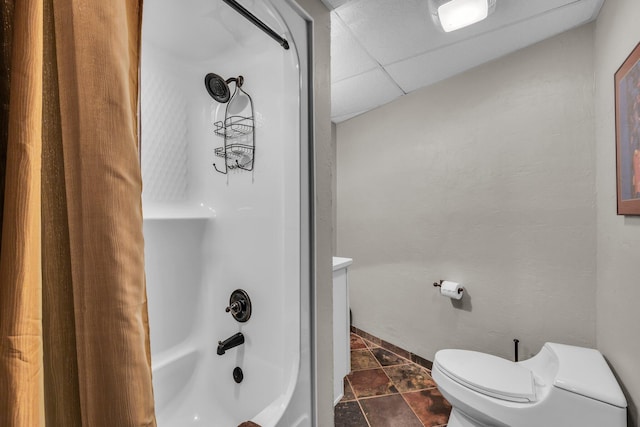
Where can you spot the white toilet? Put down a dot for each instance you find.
(561, 386)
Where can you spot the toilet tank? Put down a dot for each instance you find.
(585, 372)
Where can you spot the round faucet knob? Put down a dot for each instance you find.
(239, 305)
(235, 307)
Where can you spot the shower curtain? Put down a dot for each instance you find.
(74, 341)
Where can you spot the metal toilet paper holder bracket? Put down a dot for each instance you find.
(439, 284)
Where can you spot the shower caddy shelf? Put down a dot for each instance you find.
(239, 154)
(237, 131)
(234, 127)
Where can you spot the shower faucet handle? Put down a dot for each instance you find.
(235, 308)
(239, 305)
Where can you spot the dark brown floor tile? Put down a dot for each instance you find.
(430, 406)
(368, 337)
(348, 392)
(356, 342)
(348, 414)
(387, 358)
(363, 359)
(370, 344)
(409, 377)
(371, 382)
(422, 361)
(397, 350)
(389, 411)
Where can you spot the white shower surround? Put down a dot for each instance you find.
(207, 234)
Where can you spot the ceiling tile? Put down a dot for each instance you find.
(388, 29)
(400, 35)
(431, 67)
(347, 56)
(428, 68)
(393, 30)
(362, 92)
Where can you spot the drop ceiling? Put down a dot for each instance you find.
(383, 49)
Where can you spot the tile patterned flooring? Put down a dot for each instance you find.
(387, 390)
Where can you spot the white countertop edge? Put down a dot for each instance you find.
(339, 263)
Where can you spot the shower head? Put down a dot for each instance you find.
(218, 87)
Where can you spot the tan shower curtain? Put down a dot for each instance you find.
(74, 342)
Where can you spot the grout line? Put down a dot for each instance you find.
(370, 354)
(364, 369)
(391, 381)
(420, 389)
(377, 396)
(411, 408)
(357, 400)
(351, 385)
(364, 415)
(386, 344)
(397, 355)
(375, 358)
(408, 362)
(399, 364)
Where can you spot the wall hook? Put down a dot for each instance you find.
(218, 170)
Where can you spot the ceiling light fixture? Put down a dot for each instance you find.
(452, 15)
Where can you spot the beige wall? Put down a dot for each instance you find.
(324, 159)
(618, 327)
(486, 179)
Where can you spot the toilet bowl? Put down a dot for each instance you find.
(561, 386)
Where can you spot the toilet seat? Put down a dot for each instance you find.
(488, 375)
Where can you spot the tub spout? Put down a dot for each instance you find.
(229, 343)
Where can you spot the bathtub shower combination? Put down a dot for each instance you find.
(225, 163)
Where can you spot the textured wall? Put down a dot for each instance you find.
(486, 179)
(164, 152)
(617, 33)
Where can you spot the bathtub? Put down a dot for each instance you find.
(208, 234)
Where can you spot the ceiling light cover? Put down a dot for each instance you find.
(452, 15)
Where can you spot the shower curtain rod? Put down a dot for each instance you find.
(258, 23)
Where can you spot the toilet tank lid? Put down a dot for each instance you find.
(584, 371)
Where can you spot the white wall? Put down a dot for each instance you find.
(617, 33)
(487, 179)
(334, 189)
(323, 163)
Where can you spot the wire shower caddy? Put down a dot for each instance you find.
(237, 131)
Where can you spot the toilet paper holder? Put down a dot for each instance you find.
(439, 284)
